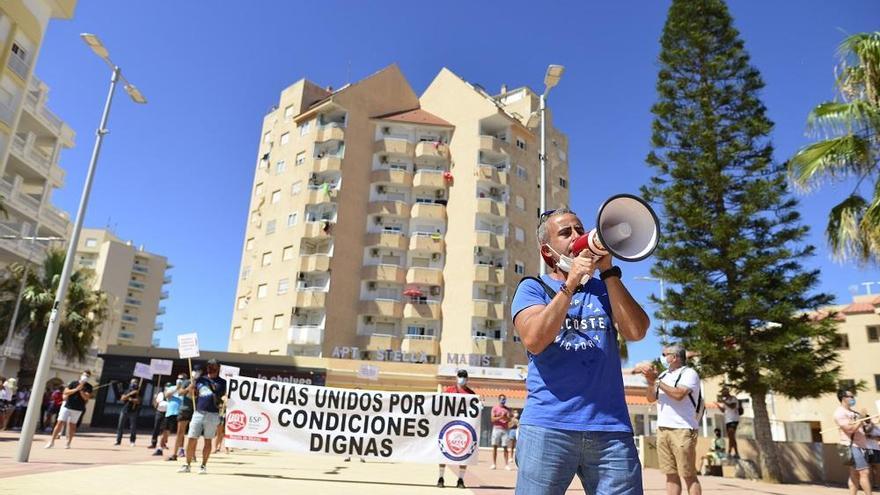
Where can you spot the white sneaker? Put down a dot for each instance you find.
(184, 469)
(49, 445)
(492, 466)
(203, 470)
(66, 445)
(507, 467)
(132, 444)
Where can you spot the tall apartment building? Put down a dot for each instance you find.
(386, 226)
(31, 136)
(134, 281)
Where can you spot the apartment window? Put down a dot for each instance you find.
(291, 220)
(288, 112)
(841, 340)
(296, 188)
(287, 253)
(242, 302)
(519, 268)
(280, 167)
(257, 325)
(91, 242)
(873, 333)
(278, 322)
(285, 138)
(300, 158)
(563, 183)
(249, 245)
(261, 291)
(267, 259)
(276, 196)
(521, 172)
(245, 272)
(267, 137)
(520, 203)
(520, 144)
(305, 128)
(270, 227)
(259, 189)
(283, 286)
(236, 333)
(520, 234)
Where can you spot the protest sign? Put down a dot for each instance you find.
(228, 371)
(188, 345)
(142, 370)
(393, 426)
(161, 366)
(369, 372)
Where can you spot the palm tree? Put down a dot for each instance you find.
(850, 149)
(84, 310)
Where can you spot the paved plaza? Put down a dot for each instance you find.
(95, 466)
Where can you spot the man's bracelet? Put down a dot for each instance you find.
(565, 290)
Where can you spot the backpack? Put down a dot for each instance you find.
(699, 405)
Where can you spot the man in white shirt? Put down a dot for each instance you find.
(731, 406)
(677, 392)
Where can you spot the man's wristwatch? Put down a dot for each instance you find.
(614, 271)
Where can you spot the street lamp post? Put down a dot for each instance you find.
(662, 290)
(551, 79)
(33, 409)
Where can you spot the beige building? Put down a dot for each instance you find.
(31, 136)
(134, 281)
(385, 226)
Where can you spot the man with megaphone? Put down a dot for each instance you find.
(575, 419)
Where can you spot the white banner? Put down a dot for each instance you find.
(228, 371)
(188, 345)
(395, 426)
(161, 366)
(142, 370)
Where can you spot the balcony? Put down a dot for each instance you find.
(395, 146)
(420, 343)
(314, 263)
(129, 318)
(429, 211)
(159, 326)
(140, 269)
(327, 163)
(429, 178)
(55, 219)
(393, 240)
(309, 299)
(381, 307)
(392, 176)
(490, 240)
(490, 206)
(488, 309)
(384, 273)
(426, 311)
(487, 346)
(31, 155)
(26, 250)
(492, 174)
(424, 276)
(382, 342)
(18, 66)
(137, 285)
(132, 302)
(393, 208)
(433, 243)
(489, 274)
(305, 335)
(329, 133)
(163, 294)
(432, 149)
(318, 195)
(317, 229)
(493, 145)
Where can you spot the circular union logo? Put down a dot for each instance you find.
(236, 420)
(458, 440)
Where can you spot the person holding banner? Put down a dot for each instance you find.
(131, 404)
(209, 392)
(76, 395)
(575, 419)
(460, 387)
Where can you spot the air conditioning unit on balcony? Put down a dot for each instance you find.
(300, 276)
(374, 253)
(368, 320)
(386, 130)
(435, 291)
(440, 194)
(479, 251)
(371, 285)
(378, 220)
(380, 189)
(383, 159)
(435, 256)
(493, 191)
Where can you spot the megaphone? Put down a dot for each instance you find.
(626, 227)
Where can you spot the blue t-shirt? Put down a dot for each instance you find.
(174, 401)
(207, 391)
(576, 382)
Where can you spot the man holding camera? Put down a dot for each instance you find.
(76, 395)
(209, 392)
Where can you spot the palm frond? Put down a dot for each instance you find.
(836, 158)
(844, 117)
(843, 232)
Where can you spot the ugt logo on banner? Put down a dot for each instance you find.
(458, 440)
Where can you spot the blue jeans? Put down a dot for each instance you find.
(606, 462)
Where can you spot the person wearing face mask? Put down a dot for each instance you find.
(500, 421)
(575, 420)
(131, 406)
(172, 409)
(76, 395)
(853, 443)
(460, 387)
(209, 392)
(184, 415)
(677, 391)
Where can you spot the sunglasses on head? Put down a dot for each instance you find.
(547, 214)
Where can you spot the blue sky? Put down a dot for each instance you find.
(175, 175)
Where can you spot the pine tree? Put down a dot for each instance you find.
(733, 242)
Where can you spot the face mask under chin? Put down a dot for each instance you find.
(562, 262)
